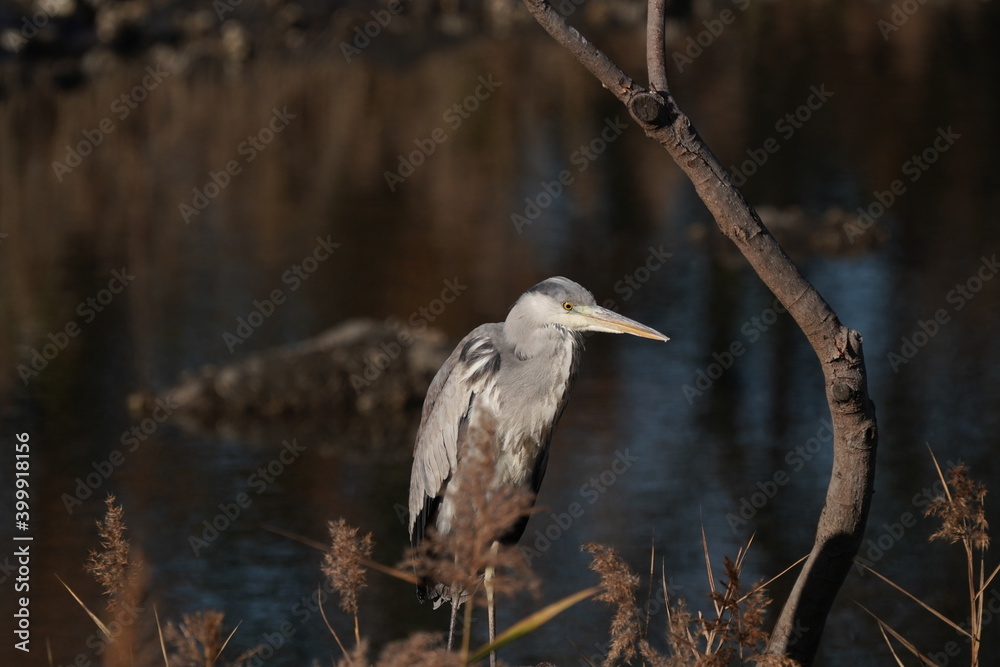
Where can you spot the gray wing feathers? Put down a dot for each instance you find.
(449, 397)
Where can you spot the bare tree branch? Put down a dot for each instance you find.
(608, 73)
(855, 434)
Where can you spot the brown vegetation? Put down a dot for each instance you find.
(963, 521)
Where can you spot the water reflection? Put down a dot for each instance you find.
(697, 459)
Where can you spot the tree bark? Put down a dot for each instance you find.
(855, 435)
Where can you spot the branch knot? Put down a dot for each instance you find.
(649, 108)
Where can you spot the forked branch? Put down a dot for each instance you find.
(855, 435)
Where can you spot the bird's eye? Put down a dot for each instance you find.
(567, 306)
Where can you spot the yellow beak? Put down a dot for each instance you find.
(608, 321)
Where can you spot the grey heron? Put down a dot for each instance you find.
(516, 377)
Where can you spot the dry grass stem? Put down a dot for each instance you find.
(159, 635)
(326, 621)
(735, 633)
(963, 521)
(358, 656)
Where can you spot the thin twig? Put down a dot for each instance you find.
(226, 643)
(944, 482)
(159, 631)
(708, 568)
(892, 649)
(371, 564)
(773, 579)
(989, 580)
(900, 638)
(322, 612)
(941, 617)
(100, 624)
(652, 571)
(656, 55)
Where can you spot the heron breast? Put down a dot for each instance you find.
(536, 392)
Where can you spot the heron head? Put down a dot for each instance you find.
(562, 302)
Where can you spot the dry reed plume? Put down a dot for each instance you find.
(196, 642)
(199, 640)
(619, 584)
(343, 564)
(963, 521)
(963, 518)
(122, 578)
(421, 649)
(735, 635)
(484, 517)
(112, 566)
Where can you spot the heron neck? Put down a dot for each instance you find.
(539, 341)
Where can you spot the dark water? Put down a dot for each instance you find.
(723, 427)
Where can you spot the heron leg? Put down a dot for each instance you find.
(456, 600)
(490, 603)
(451, 625)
